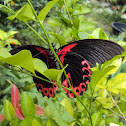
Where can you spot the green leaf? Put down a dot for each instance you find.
(65, 18)
(39, 65)
(35, 123)
(57, 22)
(52, 122)
(6, 1)
(11, 33)
(27, 105)
(15, 122)
(86, 25)
(66, 103)
(1, 6)
(85, 101)
(80, 9)
(12, 41)
(24, 14)
(4, 53)
(22, 59)
(61, 40)
(46, 9)
(96, 118)
(62, 117)
(3, 35)
(54, 74)
(98, 34)
(28, 121)
(9, 111)
(97, 75)
(116, 84)
(74, 32)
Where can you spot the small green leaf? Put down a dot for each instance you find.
(54, 74)
(80, 9)
(51, 122)
(39, 65)
(9, 111)
(4, 53)
(1, 6)
(86, 25)
(64, 17)
(15, 122)
(66, 103)
(61, 40)
(57, 22)
(62, 117)
(12, 41)
(99, 74)
(119, 82)
(46, 9)
(3, 35)
(27, 105)
(24, 14)
(74, 32)
(22, 59)
(28, 121)
(98, 34)
(11, 33)
(96, 118)
(35, 123)
(85, 101)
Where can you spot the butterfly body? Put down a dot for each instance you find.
(80, 56)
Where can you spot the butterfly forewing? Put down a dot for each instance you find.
(80, 56)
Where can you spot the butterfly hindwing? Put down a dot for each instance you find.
(47, 89)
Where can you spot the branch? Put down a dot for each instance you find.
(123, 116)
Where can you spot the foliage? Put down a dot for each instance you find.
(104, 101)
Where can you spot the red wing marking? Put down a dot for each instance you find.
(86, 71)
(45, 91)
(85, 64)
(64, 51)
(55, 87)
(51, 92)
(65, 84)
(77, 90)
(40, 87)
(82, 86)
(71, 95)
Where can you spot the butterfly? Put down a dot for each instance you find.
(80, 56)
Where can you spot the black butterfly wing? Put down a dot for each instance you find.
(47, 89)
(80, 56)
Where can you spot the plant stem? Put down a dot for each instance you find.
(51, 48)
(116, 105)
(83, 106)
(38, 20)
(36, 33)
(68, 13)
